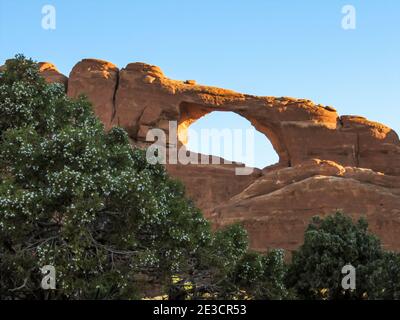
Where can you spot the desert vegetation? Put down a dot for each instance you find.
(115, 227)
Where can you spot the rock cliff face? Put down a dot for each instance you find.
(327, 162)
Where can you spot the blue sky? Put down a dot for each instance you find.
(266, 47)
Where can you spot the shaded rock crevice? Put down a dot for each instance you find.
(114, 109)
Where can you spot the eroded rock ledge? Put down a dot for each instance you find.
(326, 161)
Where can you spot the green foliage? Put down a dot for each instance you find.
(332, 243)
(384, 282)
(115, 227)
(261, 276)
(86, 202)
(82, 200)
(229, 271)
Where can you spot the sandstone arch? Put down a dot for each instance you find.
(326, 161)
(190, 112)
(196, 131)
(140, 96)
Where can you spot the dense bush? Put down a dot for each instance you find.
(260, 276)
(330, 244)
(86, 202)
(81, 199)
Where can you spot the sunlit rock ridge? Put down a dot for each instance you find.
(327, 161)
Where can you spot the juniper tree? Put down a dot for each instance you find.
(81, 199)
(332, 243)
(84, 201)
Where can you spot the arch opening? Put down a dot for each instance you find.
(225, 134)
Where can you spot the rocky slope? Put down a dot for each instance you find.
(327, 162)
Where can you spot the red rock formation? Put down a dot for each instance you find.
(326, 161)
(98, 80)
(276, 207)
(51, 74)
